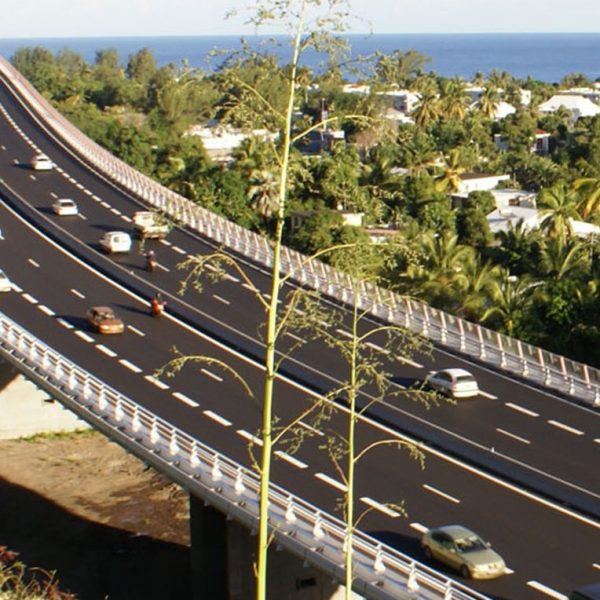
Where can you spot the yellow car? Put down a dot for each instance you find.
(103, 320)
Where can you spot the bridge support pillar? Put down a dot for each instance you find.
(208, 554)
(223, 555)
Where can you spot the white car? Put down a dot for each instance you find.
(65, 207)
(456, 383)
(115, 241)
(5, 285)
(40, 162)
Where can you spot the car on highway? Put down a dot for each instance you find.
(40, 162)
(113, 242)
(463, 550)
(65, 207)
(456, 383)
(103, 319)
(5, 285)
(587, 592)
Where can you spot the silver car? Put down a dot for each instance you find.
(456, 383)
(463, 550)
(5, 285)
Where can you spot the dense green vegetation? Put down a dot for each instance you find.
(540, 286)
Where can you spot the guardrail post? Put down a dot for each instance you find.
(443, 331)
(136, 424)
(173, 445)
(461, 330)
(378, 564)
(194, 458)
(119, 410)
(154, 435)
(412, 583)
(597, 396)
(449, 592)
(216, 470)
(482, 354)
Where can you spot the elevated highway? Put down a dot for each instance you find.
(505, 464)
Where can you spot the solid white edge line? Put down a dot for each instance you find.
(514, 436)
(217, 418)
(292, 460)
(441, 494)
(130, 365)
(331, 481)
(521, 409)
(540, 587)
(380, 507)
(440, 455)
(185, 399)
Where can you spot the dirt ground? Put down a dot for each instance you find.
(109, 526)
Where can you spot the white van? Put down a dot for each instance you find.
(115, 241)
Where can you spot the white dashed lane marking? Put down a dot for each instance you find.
(185, 399)
(387, 510)
(513, 436)
(65, 323)
(248, 436)
(106, 350)
(217, 418)
(157, 382)
(179, 250)
(418, 527)
(488, 395)
(338, 485)
(84, 336)
(211, 375)
(135, 330)
(130, 365)
(30, 298)
(292, 460)
(521, 409)
(77, 293)
(540, 587)
(33, 262)
(441, 494)
(221, 299)
(566, 428)
(46, 310)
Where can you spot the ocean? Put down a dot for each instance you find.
(544, 56)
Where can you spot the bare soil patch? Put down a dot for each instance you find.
(108, 525)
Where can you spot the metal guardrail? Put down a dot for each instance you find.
(529, 362)
(382, 573)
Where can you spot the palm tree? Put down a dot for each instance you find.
(489, 102)
(428, 110)
(589, 190)
(449, 179)
(437, 275)
(560, 260)
(264, 192)
(512, 299)
(479, 285)
(453, 101)
(558, 211)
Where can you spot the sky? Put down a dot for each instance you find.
(105, 18)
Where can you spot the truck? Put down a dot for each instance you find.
(147, 224)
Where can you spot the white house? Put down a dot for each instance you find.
(502, 219)
(577, 105)
(541, 142)
(479, 182)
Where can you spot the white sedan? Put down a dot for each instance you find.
(456, 383)
(40, 162)
(65, 207)
(5, 285)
